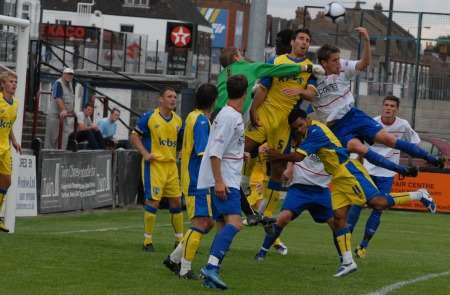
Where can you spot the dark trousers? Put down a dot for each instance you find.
(93, 137)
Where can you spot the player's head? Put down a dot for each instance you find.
(300, 41)
(205, 96)
(168, 98)
(88, 109)
(298, 120)
(115, 115)
(229, 55)
(391, 106)
(237, 87)
(283, 42)
(329, 57)
(8, 83)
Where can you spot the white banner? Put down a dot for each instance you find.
(24, 182)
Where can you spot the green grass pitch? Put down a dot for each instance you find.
(100, 253)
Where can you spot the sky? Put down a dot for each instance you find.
(434, 25)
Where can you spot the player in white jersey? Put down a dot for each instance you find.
(384, 178)
(220, 171)
(333, 102)
(308, 190)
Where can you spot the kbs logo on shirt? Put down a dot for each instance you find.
(167, 142)
(6, 123)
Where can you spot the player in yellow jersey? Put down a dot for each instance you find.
(269, 113)
(155, 136)
(8, 113)
(198, 201)
(351, 183)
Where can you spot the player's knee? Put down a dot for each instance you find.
(284, 218)
(5, 181)
(378, 203)
(356, 146)
(174, 203)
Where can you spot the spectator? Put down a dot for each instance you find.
(108, 127)
(61, 107)
(86, 131)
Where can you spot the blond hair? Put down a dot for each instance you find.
(4, 76)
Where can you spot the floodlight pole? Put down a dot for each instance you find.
(388, 46)
(416, 71)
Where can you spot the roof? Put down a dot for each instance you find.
(183, 10)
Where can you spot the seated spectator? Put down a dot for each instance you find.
(108, 127)
(86, 131)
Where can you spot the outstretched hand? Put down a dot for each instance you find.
(363, 32)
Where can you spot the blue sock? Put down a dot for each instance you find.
(222, 242)
(353, 216)
(371, 227)
(270, 239)
(414, 150)
(336, 245)
(380, 161)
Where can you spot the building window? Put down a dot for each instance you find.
(136, 3)
(127, 28)
(26, 10)
(63, 22)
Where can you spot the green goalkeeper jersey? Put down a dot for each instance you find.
(253, 72)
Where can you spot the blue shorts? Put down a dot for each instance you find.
(356, 124)
(315, 199)
(384, 184)
(230, 206)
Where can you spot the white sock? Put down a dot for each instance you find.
(176, 254)
(185, 266)
(347, 257)
(213, 260)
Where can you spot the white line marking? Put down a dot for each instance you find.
(402, 284)
(104, 229)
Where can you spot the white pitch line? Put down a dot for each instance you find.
(105, 229)
(398, 285)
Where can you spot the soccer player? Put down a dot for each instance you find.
(155, 136)
(220, 170)
(383, 178)
(350, 181)
(198, 202)
(308, 190)
(333, 102)
(8, 113)
(272, 112)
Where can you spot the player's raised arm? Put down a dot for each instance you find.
(268, 70)
(366, 59)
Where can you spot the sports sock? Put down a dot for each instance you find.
(269, 240)
(380, 161)
(176, 216)
(414, 151)
(177, 253)
(245, 205)
(191, 243)
(353, 216)
(406, 197)
(336, 245)
(2, 197)
(344, 240)
(372, 224)
(221, 245)
(149, 223)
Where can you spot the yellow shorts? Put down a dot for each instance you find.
(274, 129)
(352, 185)
(160, 179)
(6, 163)
(199, 205)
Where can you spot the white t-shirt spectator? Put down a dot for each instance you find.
(81, 117)
(335, 97)
(401, 130)
(226, 142)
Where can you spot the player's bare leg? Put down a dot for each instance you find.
(5, 182)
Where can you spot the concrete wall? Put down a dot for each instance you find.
(432, 116)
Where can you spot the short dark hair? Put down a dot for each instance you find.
(165, 89)
(326, 51)
(302, 30)
(295, 114)
(283, 42)
(88, 105)
(205, 96)
(236, 86)
(226, 56)
(393, 98)
(115, 110)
